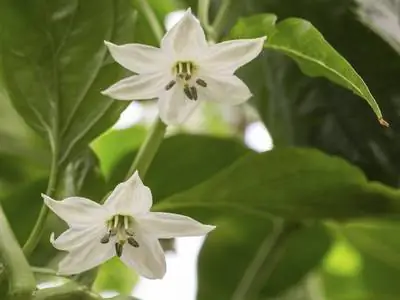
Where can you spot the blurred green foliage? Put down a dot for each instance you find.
(317, 213)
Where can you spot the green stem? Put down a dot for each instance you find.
(202, 12)
(21, 280)
(44, 271)
(68, 291)
(265, 261)
(148, 149)
(219, 20)
(151, 17)
(36, 232)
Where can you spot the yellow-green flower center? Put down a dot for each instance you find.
(184, 71)
(121, 227)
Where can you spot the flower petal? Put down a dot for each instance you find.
(167, 225)
(186, 40)
(227, 89)
(138, 58)
(228, 56)
(148, 259)
(76, 237)
(131, 197)
(89, 255)
(77, 211)
(174, 107)
(137, 87)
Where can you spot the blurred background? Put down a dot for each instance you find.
(334, 260)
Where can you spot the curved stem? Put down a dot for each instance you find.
(36, 232)
(68, 291)
(266, 259)
(202, 13)
(21, 280)
(219, 20)
(148, 149)
(151, 17)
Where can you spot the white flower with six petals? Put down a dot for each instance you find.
(122, 226)
(184, 71)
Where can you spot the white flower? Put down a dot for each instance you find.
(184, 70)
(123, 226)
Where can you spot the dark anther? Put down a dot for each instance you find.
(193, 91)
(130, 232)
(170, 85)
(201, 82)
(113, 232)
(188, 76)
(133, 242)
(105, 239)
(187, 92)
(118, 249)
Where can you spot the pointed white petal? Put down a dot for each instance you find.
(77, 211)
(138, 87)
(186, 40)
(76, 237)
(227, 89)
(86, 257)
(167, 226)
(228, 56)
(131, 197)
(138, 58)
(174, 107)
(148, 259)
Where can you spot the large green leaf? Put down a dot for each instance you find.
(171, 172)
(301, 41)
(372, 269)
(313, 112)
(292, 183)
(115, 144)
(55, 65)
(236, 262)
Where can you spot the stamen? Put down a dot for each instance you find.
(133, 242)
(193, 91)
(188, 92)
(105, 239)
(113, 231)
(118, 249)
(201, 82)
(170, 85)
(129, 232)
(116, 220)
(179, 68)
(126, 222)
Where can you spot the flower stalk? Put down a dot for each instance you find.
(36, 232)
(151, 17)
(21, 280)
(219, 20)
(148, 149)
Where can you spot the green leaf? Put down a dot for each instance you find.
(55, 65)
(376, 238)
(250, 271)
(126, 139)
(203, 157)
(301, 41)
(371, 265)
(115, 276)
(292, 183)
(22, 206)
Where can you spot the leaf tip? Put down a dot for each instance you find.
(383, 122)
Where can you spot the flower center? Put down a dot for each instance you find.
(120, 227)
(184, 71)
